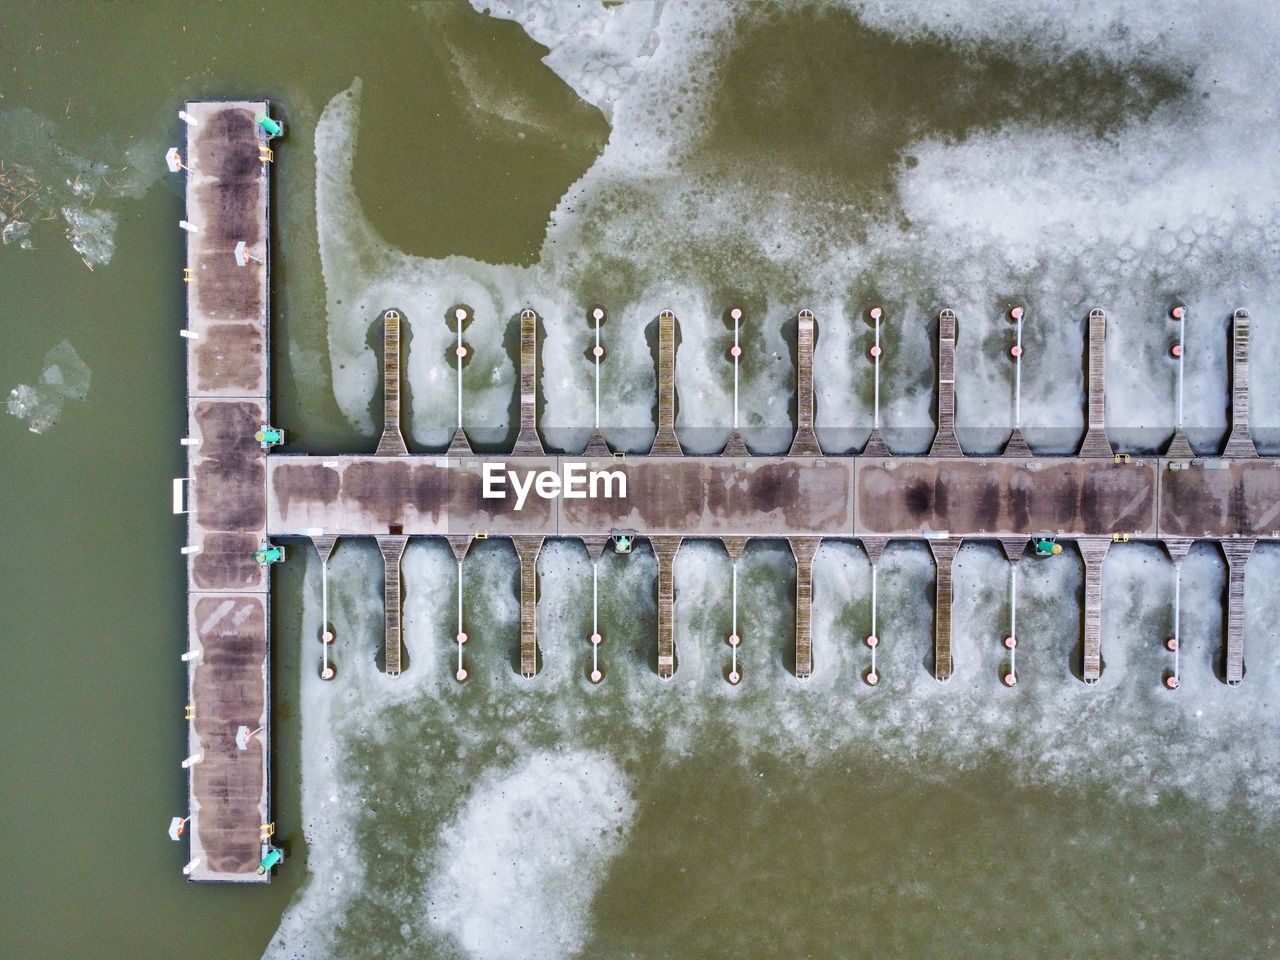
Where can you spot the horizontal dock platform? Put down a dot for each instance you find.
(901, 497)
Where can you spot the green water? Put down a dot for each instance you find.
(740, 845)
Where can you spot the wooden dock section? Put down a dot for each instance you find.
(1095, 443)
(528, 443)
(392, 549)
(805, 443)
(945, 443)
(1237, 553)
(944, 554)
(664, 550)
(1240, 441)
(527, 550)
(1094, 552)
(392, 442)
(803, 549)
(665, 442)
(228, 623)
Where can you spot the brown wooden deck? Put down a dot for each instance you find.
(528, 443)
(945, 443)
(226, 495)
(392, 442)
(944, 554)
(665, 442)
(665, 549)
(1095, 442)
(805, 443)
(527, 550)
(392, 550)
(803, 549)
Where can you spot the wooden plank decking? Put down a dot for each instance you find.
(944, 554)
(392, 442)
(528, 443)
(945, 443)
(665, 442)
(1237, 553)
(665, 549)
(1095, 443)
(1094, 552)
(228, 623)
(805, 443)
(527, 550)
(392, 549)
(1240, 441)
(803, 549)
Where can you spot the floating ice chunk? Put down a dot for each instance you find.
(65, 377)
(520, 864)
(15, 231)
(65, 373)
(92, 233)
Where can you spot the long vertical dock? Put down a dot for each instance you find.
(1240, 441)
(391, 443)
(665, 549)
(805, 443)
(945, 443)
(1093, 551)
(944, 554)
(528, 443)
(1095, 443)
(665, 442)
(804, 549)
(225, 495)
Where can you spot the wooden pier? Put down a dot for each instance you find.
(1237, 553)
(528, 443)
(527, 550)
(392, 442)
(1095, 442)
(665, 442)
(664, 550)
(944, 554)
(803, 549)
(945, 443)
(225, 493)
(1240, 441)
(392, 550)
(805, 443)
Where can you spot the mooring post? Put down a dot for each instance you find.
(1095, 442)
(1016, 446)
(596, 446)
(734, 547)
(459, 445)
(945, 443)
(595, 550)
(736, 447)
(875, 445)
(324, 548)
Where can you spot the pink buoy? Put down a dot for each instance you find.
(1176, 350)
(1010, 642)
(876, 313)
(1178, 312)
(875, 351)
(1015, 351)
(597, 313)
(460, 314)
(734, 676)
(872, 640)
(1171, 643)
(461, 352)
(461, 674)
(736, 313)
(873, 678)
(597, 352)
(595, 639)
(326, 673)
(734, 640)
(461, 638)
(327, 636)
(1171, 683)
(1010, 680)
(735, 351)
(1016, 313)
(596, 676)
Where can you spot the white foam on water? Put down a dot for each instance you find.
(519, 864)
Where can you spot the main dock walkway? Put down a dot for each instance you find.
(236, 495)
(225, 494)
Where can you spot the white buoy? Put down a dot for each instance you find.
(188, 119)
(177, 827)
(192, 760)
(191, 867)
(173, 159)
